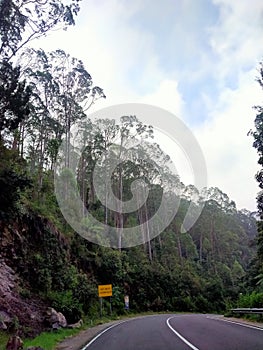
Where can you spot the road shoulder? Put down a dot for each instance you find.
(238, 320)
(78, 341)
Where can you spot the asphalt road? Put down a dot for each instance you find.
(178, 332)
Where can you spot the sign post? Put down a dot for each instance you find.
(104, 290)
(126, 302)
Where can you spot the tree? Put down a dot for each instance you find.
(14, 107)
(258, 144)
(14, 98)
(21, 21)
(62, 91)
(13, 180)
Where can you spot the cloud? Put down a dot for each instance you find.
(231, 159)
(235, 37)
(166, 96)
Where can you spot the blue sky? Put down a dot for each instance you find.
(195, 58)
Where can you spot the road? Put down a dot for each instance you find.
(178, 332)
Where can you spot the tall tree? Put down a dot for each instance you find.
(21, 21)
(62, 91)
(258, 144)
(14, 98)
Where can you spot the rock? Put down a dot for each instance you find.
(14, 343)
(16, 311)
(26, 309)
(5, 320)
(7, 279)
(76, 325)
(56, 319)
(3, 326)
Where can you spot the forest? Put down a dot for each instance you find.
(216, 265)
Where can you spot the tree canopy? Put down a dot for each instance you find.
(43, 96)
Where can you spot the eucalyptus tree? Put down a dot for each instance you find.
(77, 93)
(92, 139)
(104, 142)
(221, 198)
(120, 152)
(62, 92)
(22, 21)
(258, 144)
(14, 98)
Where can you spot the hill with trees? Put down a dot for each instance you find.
(43, 261)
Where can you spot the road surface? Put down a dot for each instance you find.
(178, 332)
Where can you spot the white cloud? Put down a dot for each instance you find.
(166, 96)
(235, 37)
(231, 159)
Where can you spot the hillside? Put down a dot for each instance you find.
(64, 176)
(199, 271)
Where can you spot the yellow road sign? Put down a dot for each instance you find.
(105, 290)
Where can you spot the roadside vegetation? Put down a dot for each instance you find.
(42, 97)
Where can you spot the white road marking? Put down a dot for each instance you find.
(237, 323)
(98, 335)
(179, 335)
(107, 329)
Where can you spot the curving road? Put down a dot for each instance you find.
(178, 332)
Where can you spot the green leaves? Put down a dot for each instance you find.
(14, 98)
(13, 180)
(22, 21)
(258, 144)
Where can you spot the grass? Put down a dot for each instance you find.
(3, 340)
(48, 340)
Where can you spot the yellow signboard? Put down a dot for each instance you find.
(105, 290)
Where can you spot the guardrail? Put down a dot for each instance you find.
(254, 310)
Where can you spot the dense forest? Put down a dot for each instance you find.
(217, 264)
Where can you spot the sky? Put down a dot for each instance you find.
(198, 59)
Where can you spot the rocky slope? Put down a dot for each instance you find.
(21, 308)
(15, 310)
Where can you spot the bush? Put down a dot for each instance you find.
(65, 302)
(251, 300)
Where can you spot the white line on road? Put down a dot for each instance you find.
(107, 329)
(97, 336)
(179, 335)
(237, 323)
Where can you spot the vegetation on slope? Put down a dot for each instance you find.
(41, 100)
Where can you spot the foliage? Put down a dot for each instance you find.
(67, 304)
(24, 20)
(258, 144)
(40, 103)
(196, 271)
(13, 180)
(49, 340)
(3, 340)
(14, 98)
(250, 300)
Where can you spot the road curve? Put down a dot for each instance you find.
(180, 332)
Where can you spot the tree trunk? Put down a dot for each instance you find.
(201, 248)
